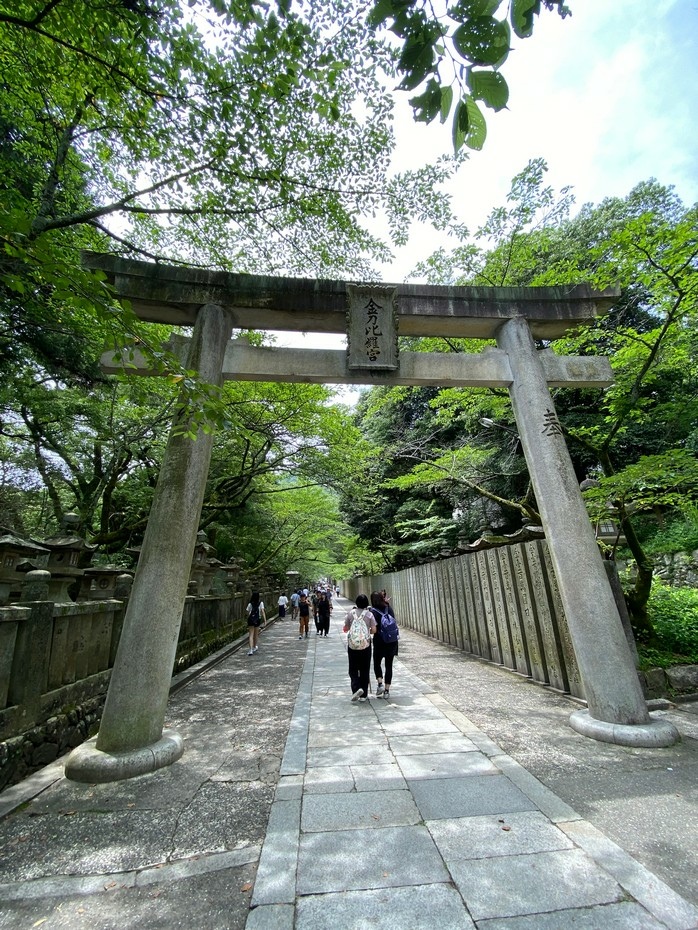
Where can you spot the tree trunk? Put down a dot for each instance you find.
(639, 596)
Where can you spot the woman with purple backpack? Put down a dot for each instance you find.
(384, 642)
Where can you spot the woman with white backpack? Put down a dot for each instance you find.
(359, 625)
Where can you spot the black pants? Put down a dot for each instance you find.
(323, 623)
(382, 651)
(360, 669)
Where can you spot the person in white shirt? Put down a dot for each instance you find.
(283, 604)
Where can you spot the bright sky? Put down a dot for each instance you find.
(608, 97)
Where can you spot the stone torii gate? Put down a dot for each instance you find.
(131, 739)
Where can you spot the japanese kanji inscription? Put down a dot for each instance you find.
(372, 327)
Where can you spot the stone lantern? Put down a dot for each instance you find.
(100, 582)
(606, 529)
(65, 555)
(13, 553)
(203, 566)
(231, 571)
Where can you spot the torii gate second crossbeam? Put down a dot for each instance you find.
(131, 739)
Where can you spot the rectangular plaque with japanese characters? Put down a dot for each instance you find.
(372, 327)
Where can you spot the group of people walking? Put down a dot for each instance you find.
(372, 631)
(302, 602)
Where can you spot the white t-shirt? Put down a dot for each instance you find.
(283, 601)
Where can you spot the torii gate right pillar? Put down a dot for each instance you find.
(617, 711)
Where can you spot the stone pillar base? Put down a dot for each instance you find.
(89, 764)
(652, 735)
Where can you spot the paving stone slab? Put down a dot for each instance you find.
(397, 908)
(411, 726)
(379, 777)
(318, 738)
(469, 796)
(223, 815)
(515, 885)
(248, 766)
(271, 917)
(359, 754)
(343, 860)
(433, 742)
(276, 876)
(358, 810)
(328, 779)
(445, 765)
(647, 888)
(505, 835)
(626, 915)
(177, 783)
(215, 901)
(289, 788)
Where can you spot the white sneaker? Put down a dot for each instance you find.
(380, 688)
(358, 694)
(250, 652)
(255, 649)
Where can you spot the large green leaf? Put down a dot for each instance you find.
(464, 10)
(522, 16)
(460, 125)
(483, 41)
(428, 104)
(490, 87)
(477, 127)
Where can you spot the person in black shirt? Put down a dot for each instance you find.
(303, 616)
(382, 651)
(324, 608)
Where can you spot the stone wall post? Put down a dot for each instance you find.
(32, 652)
(617, 709)
(10, 620)
(131, 740)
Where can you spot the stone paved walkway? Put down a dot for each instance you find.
(405, 813)
(295, 809)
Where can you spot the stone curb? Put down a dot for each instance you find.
(156, 874)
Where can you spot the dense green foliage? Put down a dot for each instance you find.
(235, 136)
(674, 616)
(271, 498)
(677, 534)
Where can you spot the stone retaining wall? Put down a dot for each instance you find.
(55, 665)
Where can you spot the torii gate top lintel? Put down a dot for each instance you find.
(174, 294)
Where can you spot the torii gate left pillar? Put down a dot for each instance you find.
(131, 739)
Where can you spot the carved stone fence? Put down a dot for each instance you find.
(501, 604)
